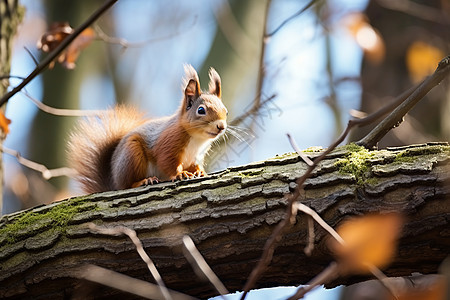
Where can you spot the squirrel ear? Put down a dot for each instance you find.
(191, 86)
(215, 87)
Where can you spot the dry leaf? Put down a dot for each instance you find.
(75, 48)
(369, 240)
(4, 122)
(56, 34)
(53, 37)
(422, 59)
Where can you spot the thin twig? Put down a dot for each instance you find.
(252, 111)
(372, 268)
(291, 18)
(126, 283)
(299, 152)
(275, 237)
(101, 35)
(32, 56)
(58, 50)
(302, 207)
(262, 65)
(46, 173)
(383, 279)
(201, 266)
(330, 273)
(60, 111)
(119, 230)
(371, 139)
(11, 76)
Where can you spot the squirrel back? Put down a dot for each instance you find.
(92, 144)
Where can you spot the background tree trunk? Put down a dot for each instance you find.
(230, 215)
(11, 14)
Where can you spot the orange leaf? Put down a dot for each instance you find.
(75, 48)
(4, 122)
(369, 240)
(56, 34)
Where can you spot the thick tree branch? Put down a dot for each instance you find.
(229, 216)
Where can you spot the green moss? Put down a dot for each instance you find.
(352, 147)
(56, 216)
(313, 149)
(409, 155)
(355, 162)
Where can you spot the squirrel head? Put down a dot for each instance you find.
(203, 114)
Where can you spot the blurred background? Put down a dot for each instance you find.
(320, 59)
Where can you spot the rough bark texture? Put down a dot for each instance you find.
(230, 215)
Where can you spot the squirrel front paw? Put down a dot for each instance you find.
(146, 181)
(200, 173)
(183, 175)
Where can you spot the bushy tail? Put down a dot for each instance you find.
(92, 144)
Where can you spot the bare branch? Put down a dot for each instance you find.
(252, 111)
(201, 266)
(330, 273)
(46, 173)
(299, 152)
(371, 139)
(384, 280)
(126, 283)
(119, 230)
(320, 221)
(57, 51)
(101, 35)
(32, 56)
(311, 3)
(262, 65)
(275, 237)
(60, 111)
(11, 76)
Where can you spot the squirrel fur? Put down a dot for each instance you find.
(120, 149)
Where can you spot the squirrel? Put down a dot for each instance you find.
(120, 149)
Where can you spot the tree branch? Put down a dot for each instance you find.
(229, 215)
(395, 117)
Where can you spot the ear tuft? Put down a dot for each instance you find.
(215, 86)
(191, 86)
(190, 76)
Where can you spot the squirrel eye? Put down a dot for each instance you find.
(201, 110)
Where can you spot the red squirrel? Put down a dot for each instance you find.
(120, 149)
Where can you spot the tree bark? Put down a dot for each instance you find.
(230, 215)
(11, 14)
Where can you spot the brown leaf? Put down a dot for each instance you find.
(369, 240)
(4, 122)
(75, 48)
(56, 34)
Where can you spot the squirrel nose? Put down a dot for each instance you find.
(220, 126)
